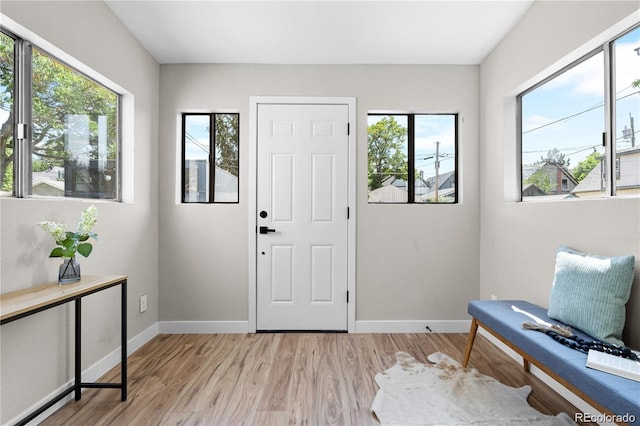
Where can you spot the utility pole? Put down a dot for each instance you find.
(633, 131)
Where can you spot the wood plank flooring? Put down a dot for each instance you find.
(275, 379)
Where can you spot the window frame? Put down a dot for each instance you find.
(211, 159)
(411, 160)
(611, 156)
(23, 120)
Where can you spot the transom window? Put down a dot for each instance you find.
(413, 158)
(60, 129)
(210, 151)
(579, 127)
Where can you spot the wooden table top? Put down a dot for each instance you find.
(19, 302)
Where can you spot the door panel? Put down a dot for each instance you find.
(282, 186)
(302, 153)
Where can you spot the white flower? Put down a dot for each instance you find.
(56, 229)
(89, 218)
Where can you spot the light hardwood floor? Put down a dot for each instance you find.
(275, 379)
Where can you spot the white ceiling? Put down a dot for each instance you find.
(320, 32)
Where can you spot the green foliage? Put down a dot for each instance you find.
(585, 166)
(227, 142)
(70, 243)
(541, 180)
(386, 142)
(7, 182)
(6, 105)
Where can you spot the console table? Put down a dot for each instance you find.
(23, 303)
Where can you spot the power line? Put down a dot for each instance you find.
(579, 113)
(196, 142)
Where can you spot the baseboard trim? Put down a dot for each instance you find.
(203, 327)
(578, 402)
(91, 374)
(436, 326)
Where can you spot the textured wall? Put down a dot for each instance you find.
(414, 262)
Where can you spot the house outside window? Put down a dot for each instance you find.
(60, 129)
(578, 128)
(412, 158)
(210, 151)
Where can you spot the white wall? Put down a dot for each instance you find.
(34, 350)
(414, 262)
(519, 240)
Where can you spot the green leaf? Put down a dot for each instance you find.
(67, 243)
(56, 252)
(68, 252)
(85, 249)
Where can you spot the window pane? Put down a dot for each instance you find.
(388, 153)
(435, 154)
(6, 113)
(226, 158)
(627, 83)
(562, 127)
(196, 158)
(75, 133)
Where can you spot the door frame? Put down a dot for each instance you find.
(254, 102)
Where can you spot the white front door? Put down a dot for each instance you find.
(302, 208)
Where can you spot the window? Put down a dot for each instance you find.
(210, 151)
(576, 140)
(412, 158)
(70, 124)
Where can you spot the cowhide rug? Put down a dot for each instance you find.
(444, 393)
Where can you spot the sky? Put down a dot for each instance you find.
(197, 147)
(567, 113)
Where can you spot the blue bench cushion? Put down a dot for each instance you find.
(621, 396)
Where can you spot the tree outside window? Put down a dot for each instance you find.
(412, 158)
(72, 131)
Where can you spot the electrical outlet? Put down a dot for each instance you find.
(143, 303)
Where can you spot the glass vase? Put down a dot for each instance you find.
(69, 271)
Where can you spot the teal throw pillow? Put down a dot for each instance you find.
(590, 293)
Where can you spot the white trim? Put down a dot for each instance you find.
(437, 326)
(577, 402)
(254, 101)
(111, 360)
(203, 327)
(91, 374)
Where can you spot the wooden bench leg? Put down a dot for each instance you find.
(470, 340)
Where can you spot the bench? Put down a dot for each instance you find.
(613, 396)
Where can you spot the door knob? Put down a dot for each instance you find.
(266, 230)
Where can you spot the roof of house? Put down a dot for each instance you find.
(529, 169)
(389, 194)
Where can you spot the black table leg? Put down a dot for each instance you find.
(123, 333)
(78, 349)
